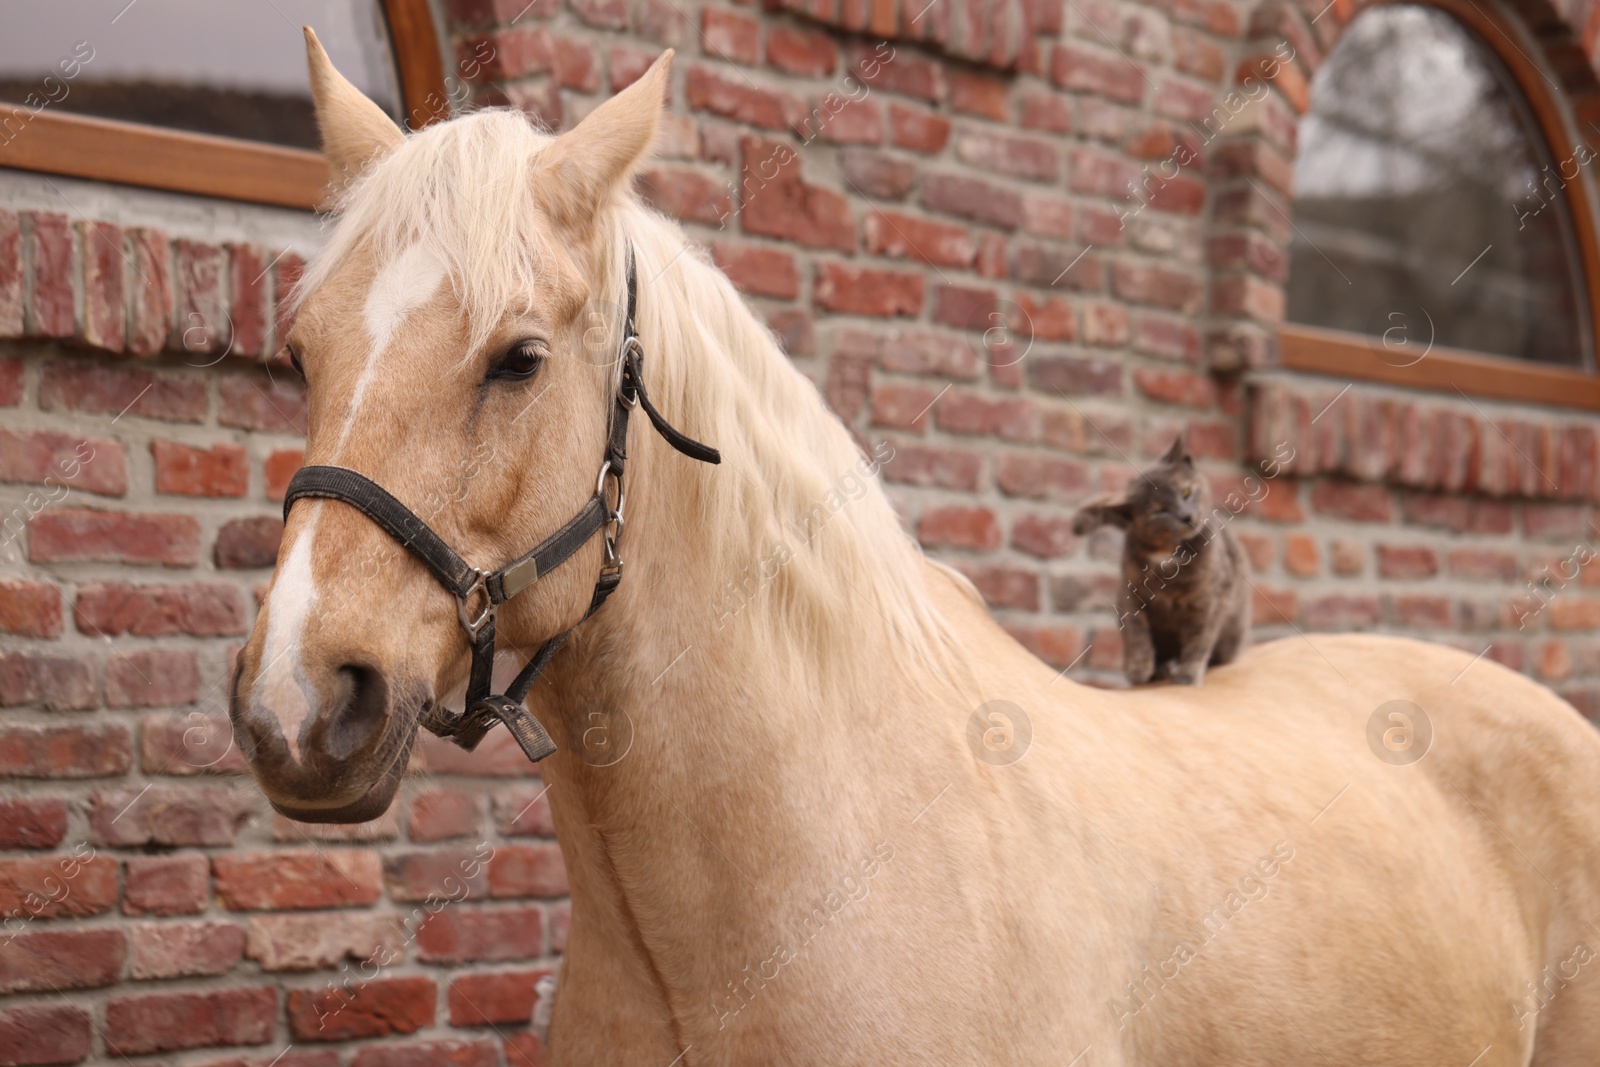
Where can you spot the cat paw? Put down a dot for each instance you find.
(1138, 672)
(1185, 674)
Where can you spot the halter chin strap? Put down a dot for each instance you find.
(479, 593)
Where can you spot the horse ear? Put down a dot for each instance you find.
(355, 131)
(1178, 453)
(581, 169)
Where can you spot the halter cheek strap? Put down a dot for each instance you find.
(479, 593)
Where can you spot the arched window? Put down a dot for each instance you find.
(1442, 229)
(202, 98)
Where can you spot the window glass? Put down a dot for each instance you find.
(1426, 200)
(235, 68)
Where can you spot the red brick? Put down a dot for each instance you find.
(730, 35)
(440, 814)
(794, 330)
(1039, 319)
(686, 194)
(1407, 561)
(220, 471)
(1043, 109)
(166, 815)
(150, 304)
(944, 468)
(1057, 266)
(45, 457)
(51, 682)
(1025, 157)
(183, 950)
(255, 402)
(1177, 387)
(802, 52)
(853, 290)
(526, 1047)
(1005, 587)
(877, 175)
(1483, 563)
(1099, 73)
(1574, 613)
(209, 609)
(32, 822)
(497, 757)
(102, 259)
(248, 309)
(1058, 646)
(12, 375)
(51, 311)
(370, 1009)
(30, 609)
(13, 279)
(906, 72)
(507, 54)
(1354, 501)
(1557, 521)
(1041, 476)
(1044, 536)
(189, 744)
(902, 406)
(534, 870)
(917, 129)
(278, 469)
(523, 811)
(167, 885)
(1271, 607)
(51, 887)
(959, 527)
(463, 933)
(1010, 418)
(502, 998)
(49, 960)
(323, 940)
(1349, 557)
(975, 92)
(757, 270)
(65, 751)
(1342, 612)
(326, 878)
(776, 202)
(419, 876)
(1423, 612)
(97, 389)
(732, 96)
(1075, 377)
(451, 1053)
(249, 543)
(1300, 555)
(576, 63)
(1178, 290)
(66, 535)
(202, 323)
(45, 1033)
(152, 678)
(901, 236)
(161, 1022)
(973, 198)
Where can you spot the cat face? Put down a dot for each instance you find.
(1163, 507)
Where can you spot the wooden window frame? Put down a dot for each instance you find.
(153, 157)
(1351, 355)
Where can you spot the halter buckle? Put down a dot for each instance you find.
(486, 614)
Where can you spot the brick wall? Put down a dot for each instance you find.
(997, 235)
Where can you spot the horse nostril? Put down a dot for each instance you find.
(357, 721)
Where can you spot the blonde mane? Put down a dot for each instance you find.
(794, 514)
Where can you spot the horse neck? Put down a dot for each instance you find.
(754, 655)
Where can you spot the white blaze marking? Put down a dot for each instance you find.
(280, 687)
(403, 285)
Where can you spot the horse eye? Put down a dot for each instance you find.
(521, 362)
(294, 361)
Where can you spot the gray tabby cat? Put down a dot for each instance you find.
(1186, 603)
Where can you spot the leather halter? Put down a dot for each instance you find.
(478, 592)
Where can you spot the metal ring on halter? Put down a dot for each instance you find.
(635, 346)
(481, 585)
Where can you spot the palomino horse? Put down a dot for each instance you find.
(821, 847)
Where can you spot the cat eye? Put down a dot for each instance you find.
(1186, 491)
(520, 362)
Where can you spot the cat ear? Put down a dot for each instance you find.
(1178, 453)
(1103, 511)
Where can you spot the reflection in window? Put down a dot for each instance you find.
(236, 69)
(1426, 200)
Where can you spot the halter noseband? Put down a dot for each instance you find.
(478, 593)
